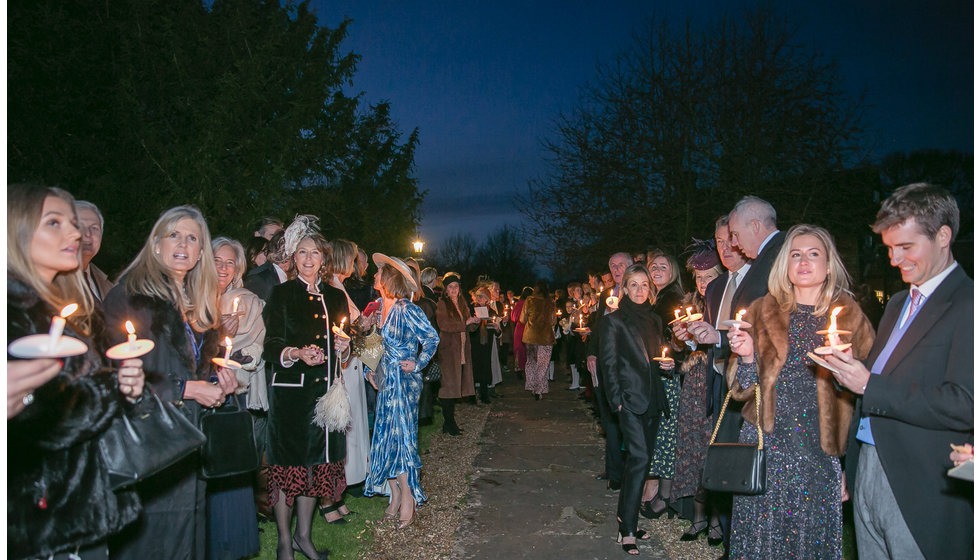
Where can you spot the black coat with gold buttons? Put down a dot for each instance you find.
(295, 317)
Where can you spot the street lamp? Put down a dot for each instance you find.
(418, 245)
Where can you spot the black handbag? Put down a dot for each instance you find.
(146, 440)
(230, 447)
(739, 468)
(433, 371)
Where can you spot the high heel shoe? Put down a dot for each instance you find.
(320, 554)
(631, 548)
(327, 510)
(715, 541)
(691, 534)
(403, 523)
(647, 510)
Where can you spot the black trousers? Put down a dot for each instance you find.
(640, 437)
(614, 440)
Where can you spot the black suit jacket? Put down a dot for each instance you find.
(756, 281)
(630, 380)
(922, 402)
(261, 280)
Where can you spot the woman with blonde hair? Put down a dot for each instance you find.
(232, 532)
(667, 293)
(804, 415)
(170, 293)
(59, 501)
(338, 266)
(395, 461)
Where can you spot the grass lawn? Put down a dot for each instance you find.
(356, 538)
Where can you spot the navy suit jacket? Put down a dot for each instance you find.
(921, 403)
(261, 280)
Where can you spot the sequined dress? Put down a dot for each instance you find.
(394, 444)
(799, 516)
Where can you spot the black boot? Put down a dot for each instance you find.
(449, 417)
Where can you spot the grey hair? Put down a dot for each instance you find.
(79, 204)
(753, 207)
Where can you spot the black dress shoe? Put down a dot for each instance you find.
(614, 485)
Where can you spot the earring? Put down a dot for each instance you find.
(156, 252)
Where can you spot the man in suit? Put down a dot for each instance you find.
(718, 298)
(267, 227)
(915, 391)
(262, 279)
(618, 263)
(91, 224)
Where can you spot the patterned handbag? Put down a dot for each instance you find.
(369, 347)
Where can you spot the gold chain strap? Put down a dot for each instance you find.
(758, 418)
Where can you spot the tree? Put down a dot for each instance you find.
(682, 124)
(238, 108)
(502, 257)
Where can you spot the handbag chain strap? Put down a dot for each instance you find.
(758, 419)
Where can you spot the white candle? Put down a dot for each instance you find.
(663, 354)
(738, 318)
(234, 304)
(58, 325)
(227, 350)
(833, 337)
(677, 314)
(688, 311)
(132, 335)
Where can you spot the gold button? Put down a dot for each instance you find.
(311, 298)
(316, 316)
(317, 380)
(317, 336)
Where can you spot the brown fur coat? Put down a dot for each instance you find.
(770, 330)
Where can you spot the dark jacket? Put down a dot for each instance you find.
(173, 520)
(58, 495)
(629, 339)
(294, 317)
(261, 280)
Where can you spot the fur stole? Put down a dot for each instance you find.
(770, 332)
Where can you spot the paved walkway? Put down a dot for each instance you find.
(533, 493)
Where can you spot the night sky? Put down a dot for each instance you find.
(484, 81)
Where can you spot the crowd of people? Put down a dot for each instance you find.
(338, 371)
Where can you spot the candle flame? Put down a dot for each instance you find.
(677, 314)
(342, 321)
(663, 353)
(833, 318)
(228, 342)
(689, 309)
(129, 327)
(69, 309)
(741, 312)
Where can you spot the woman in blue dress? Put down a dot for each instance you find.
(398, 379)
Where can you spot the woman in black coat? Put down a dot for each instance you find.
(629, 340)
(169, 292)
(306, 462)
(59, 501)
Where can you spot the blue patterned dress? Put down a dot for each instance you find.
(394, 445)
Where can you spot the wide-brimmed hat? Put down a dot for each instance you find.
(380, 259)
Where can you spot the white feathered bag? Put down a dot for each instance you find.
(333, 411)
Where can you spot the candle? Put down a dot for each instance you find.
(227, 350)
(58, 325)
(738, 318)
(663, 354)
(234, 304)
(132, 335)
(677, 314)
(833, 337)
(688, 311)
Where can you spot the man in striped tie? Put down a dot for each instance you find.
(915, 391)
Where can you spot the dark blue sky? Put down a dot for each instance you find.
(484, 81)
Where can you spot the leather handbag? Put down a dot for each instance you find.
(230, 447)
(146, 440)
(433, 371)
(739, 468)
